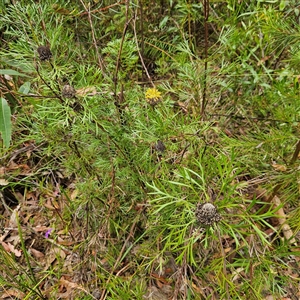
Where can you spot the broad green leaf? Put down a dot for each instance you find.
(5, 122)
(282, 5)
(11, 72)
(164, 21)
(25, 88)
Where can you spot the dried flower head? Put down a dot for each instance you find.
(44, 53)
(153, 96)
(68, 91)
(160, 146)
(206, 214)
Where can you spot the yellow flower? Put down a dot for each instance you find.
(152, 93)
(153, 96)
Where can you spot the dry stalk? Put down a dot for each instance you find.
(100, 61)
(139, 51)
(296, 153)
(103, 8)
(206, 16)
(119, 56)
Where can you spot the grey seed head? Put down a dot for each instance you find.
(68, 91)
(96, 293)
(44, 53)
(160, 146)
(206, 213)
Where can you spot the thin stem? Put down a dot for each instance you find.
(296, 153)
(100, 61)
(206, 15)
(139, 51)
(117, 99)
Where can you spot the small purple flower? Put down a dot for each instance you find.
(48, 233)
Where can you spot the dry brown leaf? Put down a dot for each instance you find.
(60, 10)
(12, 293)
(287, 231)
(28, 218)
(19, 196)
(24, 169)
(31, 197)
(8, 247)
(52, 255)
(228, 249)
(155, 294)
(281, 168)
(13, 218)
(3, 182)
(59, 252)
(91, 90)
(36, 253)
(40, 228)
(15, 251)
(2, 171)
(197, 289)
(236, 274)
(74, 195)
(70, 287)
(14, 239)
(51, 204)
(263, 60)
(5, 246)
(182, 106)
(70, 284)
(63, 242)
